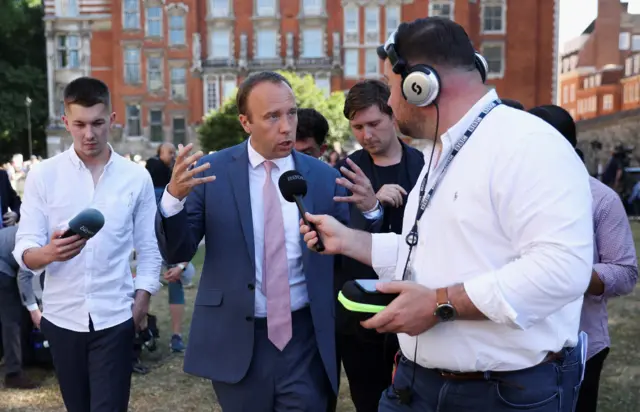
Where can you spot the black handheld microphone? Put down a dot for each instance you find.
(293, 188)
(86, 224)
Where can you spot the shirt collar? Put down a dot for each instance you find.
(455, 132)
(256, 159)
(79, 164)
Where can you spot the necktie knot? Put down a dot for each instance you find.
(269, 165)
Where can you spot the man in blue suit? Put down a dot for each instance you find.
(263, 323)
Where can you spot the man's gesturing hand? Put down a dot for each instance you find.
(359, 185)
(333, 233)
(182, 177)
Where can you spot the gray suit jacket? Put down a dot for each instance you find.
(222, 330)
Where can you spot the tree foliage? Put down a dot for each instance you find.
(22, 73)
(221, 129)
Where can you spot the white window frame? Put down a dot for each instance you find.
(324, 83)
(503, 17)
(265, 8)
(180, 29)
(312, 44)
(628, 66)
(132, 66)
(391, 26)
(133, 12)
(607, 102)
(262, 53)
(216, 11)
(68, 50)
(624, 41)
(215, 50)
(229, 86)
(437, 4)
(211, 93)
(173, 130)
(153, 124)
(347, 71)
(565, 94)
(159, 83)
(68, 8)
(501, 45)
(351, 33)
(178, 83)
(370, 57)
(129, 118)
(312, 7)
(156, 19)
(372, 24)
(572, 93)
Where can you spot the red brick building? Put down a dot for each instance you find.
(169, 62)
(599, 69)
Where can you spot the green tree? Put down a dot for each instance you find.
(221, 129)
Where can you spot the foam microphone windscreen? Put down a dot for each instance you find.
(86, 224)
(292, 184)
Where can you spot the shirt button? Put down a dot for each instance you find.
(251, 286)
(249, 318)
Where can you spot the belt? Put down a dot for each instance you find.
(551, 357)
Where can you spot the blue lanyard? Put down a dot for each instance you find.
(412, 237)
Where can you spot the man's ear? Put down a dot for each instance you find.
(246, 124)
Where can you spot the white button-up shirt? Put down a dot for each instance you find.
(511, 220)
(98, 282)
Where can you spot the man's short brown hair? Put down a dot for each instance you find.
(252, 81)
(365, 94)
(86, 92)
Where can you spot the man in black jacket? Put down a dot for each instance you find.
(384, 170)
(9, 199)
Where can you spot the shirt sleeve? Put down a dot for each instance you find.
(542, 198)
(33, 229)
(144, 240)
(169, 205)
(384, 254)
(617, 265)
(25, 285)
(375, 213)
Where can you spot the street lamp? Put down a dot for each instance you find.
(27, 102)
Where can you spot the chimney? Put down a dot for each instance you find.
(607, 33)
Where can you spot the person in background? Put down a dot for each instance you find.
(311, 133)
(9, 201)
(159, 167)
(11, 313)
(615, 265)
(390, 169)
(333, 158)
(92, 303)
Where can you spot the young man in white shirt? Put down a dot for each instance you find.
(495, 260)
(92, 304)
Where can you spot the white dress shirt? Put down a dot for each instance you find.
(170, 206)
(98, 282)
(511, 220)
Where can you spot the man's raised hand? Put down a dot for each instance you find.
(182, 176)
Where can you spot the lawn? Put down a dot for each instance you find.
(167, 389)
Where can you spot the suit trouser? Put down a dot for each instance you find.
(551, 386)
(292, 380)
(11, 321)
(588, 399)
(93, 368)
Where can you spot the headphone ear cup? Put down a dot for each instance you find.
(482, 66)
(421, 85)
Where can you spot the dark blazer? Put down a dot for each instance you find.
(222, 330)
(8, 196)
(349, 269)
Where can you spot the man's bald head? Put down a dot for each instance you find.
(167, 153)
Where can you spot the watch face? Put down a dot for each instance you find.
(445, 312)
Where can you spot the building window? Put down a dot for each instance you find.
(636, 92)
(624, 41)
(154, 73)
(211, 96)
(441, 8)
(351, 25)
(628, 66)
(636, 64)
(228, 88)
(392, 19)
(68, 8)
(372, 25)
(134, 128)
(219, 8)
(156, 133)
(494, 54)
(493, 16)
(177, 30)
(572, 93)
(312, 7)
(220, 44)
(266, 44)
(351, 68)
(565, 94)
(312, 42)
(131, 17)
(178, 83)
(68, 52)
(372, 63)
(179, 130)
(607, 102)
(266, 7)
(585, 83)
(324, 83)
(131, 66)
(154, 21)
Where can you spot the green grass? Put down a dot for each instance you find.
(167, 389)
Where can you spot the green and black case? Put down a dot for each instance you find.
(361, 304)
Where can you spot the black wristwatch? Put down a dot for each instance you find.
(445, 311)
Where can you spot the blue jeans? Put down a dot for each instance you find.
(551, 386)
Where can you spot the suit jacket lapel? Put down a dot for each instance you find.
(239, 180)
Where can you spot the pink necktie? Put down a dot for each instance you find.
(275, 268)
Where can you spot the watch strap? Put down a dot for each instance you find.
(442, 296)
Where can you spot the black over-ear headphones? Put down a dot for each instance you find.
(421, 82)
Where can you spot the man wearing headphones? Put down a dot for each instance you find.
(496, 246)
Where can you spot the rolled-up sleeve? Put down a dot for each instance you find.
(32, 230)
(544, 207)
(617, 265)
(145, 242)
(384, 254)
